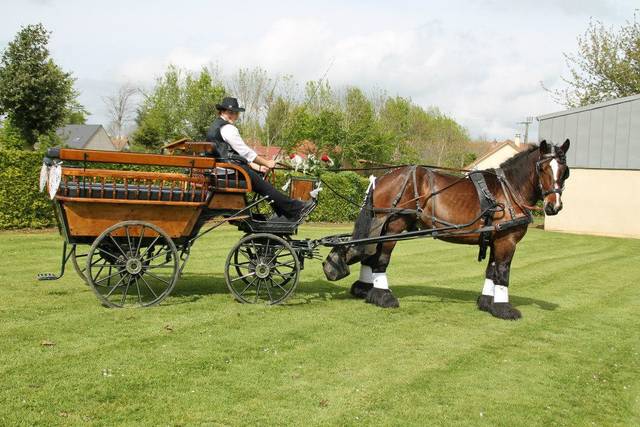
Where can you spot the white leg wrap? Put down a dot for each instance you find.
(488, 288)
(501, 294)
(380, 281)
(366, 275)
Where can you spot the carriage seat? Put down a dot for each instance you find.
(131, 192)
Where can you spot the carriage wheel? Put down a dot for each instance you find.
(132, 264)
(262, 268)
(79, 261)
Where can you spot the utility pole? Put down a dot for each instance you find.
(526, 124)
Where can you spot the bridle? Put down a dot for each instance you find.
(560, 158)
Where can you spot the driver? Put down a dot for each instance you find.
(230, 145)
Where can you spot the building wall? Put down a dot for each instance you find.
(494, 160)
(100, 141)
(601, 202)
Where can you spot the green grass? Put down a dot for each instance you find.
(324, 358)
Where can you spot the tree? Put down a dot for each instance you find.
(120, 109)
(363, 139)
(606, 66)
(35, 94)
(180, 105)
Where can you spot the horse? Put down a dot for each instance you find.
(441, 199)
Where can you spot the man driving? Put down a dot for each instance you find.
(230, 145)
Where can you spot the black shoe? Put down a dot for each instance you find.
(302, 211)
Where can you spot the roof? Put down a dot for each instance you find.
(589, 107)
(77, 136)
(495, 148)
(268, 152)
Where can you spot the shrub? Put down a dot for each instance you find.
(21, 205)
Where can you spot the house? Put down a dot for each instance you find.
(497, 153)
(602, 195)
(90, 137)
(271, 152)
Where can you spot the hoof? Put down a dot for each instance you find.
(504, 310)
(382, 298)
(360, 289)
(484, 302)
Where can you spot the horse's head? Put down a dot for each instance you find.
(552, 172)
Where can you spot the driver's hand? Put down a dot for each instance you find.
(270, 164)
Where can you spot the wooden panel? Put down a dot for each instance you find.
(108, 173)
(233, 201)
(153, 203)
(136, 158)
(300, 189)
(89, 219)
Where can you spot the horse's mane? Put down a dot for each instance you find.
(510, 162)
(514, 164)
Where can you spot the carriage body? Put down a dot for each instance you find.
(119, 224)
(89, 200)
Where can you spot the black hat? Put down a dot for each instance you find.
(230, 104)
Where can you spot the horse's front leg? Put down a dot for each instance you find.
(503, 255)
(380, 294)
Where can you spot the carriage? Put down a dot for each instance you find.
(129, 232)
(129, 221)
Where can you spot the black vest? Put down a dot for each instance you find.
(222, 148)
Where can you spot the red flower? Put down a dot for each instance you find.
(291, 156)
(325, 158)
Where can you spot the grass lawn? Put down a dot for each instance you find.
(325, 358)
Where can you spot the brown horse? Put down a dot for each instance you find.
(433, 199)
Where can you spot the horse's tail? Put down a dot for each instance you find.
(362, 226)
(336, 265)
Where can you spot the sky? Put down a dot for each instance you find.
(481, 62)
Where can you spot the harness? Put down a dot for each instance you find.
(547, 158)
(488, 205)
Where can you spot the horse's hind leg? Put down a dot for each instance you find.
(363, 285)
(485, 299)
(379, 294)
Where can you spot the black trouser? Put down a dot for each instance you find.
(282, 205)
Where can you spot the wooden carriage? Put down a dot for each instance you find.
(141, 224)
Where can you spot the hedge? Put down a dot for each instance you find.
(22, 206)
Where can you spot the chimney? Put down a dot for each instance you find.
(517, 140)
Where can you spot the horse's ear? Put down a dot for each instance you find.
(544, 147)
(565, 145)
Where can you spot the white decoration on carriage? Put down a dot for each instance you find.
(55, 175)
(314, 193)
(366, 274)
(44, 175)
(286, 185)
(488, 288)
(380, 281)
(501, 294)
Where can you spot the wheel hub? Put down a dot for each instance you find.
(133, 266)
(262, 270)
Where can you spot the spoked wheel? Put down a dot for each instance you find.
(262, 268)
(132, 264)
(79, 261)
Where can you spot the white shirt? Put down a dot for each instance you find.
(231, 136)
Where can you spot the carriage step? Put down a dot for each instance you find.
(48, 276)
